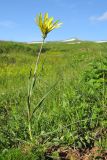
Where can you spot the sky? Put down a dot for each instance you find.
(82, 19)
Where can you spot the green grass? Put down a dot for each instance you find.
(72, 114)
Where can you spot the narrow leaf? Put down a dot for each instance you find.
(42, 99)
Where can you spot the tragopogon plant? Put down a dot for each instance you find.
(46, 25)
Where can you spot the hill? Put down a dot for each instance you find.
(72, 119)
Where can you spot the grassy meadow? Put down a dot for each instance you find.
(74, 114)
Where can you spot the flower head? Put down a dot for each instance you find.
(46, 24)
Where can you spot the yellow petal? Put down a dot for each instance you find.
(40, 20)
(45, 17)
(58, 25)
(50, 20)
(56, 22)
(37, 20)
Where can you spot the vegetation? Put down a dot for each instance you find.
(73, 114)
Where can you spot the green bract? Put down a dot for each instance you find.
(46, 24)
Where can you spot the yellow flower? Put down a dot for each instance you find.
(46, 24)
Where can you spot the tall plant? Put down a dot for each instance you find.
(46, 25)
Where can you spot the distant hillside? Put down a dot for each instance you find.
(33, 48)
(20, 47)
(8, 46)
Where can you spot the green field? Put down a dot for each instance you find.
(74, 114)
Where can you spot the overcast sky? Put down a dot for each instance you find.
(84, 19)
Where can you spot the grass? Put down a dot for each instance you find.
(73, 114)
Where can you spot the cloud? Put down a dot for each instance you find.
(7, 24)
(102, 17)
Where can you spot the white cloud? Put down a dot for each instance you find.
(102, 17)
(7, 24)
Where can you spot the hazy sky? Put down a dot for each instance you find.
(84, 19)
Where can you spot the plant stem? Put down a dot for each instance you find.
(30, 90)
(30, 130)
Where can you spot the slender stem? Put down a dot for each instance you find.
(38, 56)
(35, 70)
(30, 130)
(30, 89)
